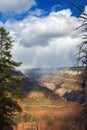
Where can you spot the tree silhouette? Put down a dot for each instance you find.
(82, 50)
(9, 89)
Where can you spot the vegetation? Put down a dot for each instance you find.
(82, 62)
(9, 88)
(82, 48)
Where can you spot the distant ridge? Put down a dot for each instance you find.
(28, 85)
(36, 73)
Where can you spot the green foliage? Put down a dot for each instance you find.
(9, 88)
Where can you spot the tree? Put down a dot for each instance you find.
(9, 89)
(82, 49)
(82, 60)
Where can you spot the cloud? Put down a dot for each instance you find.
(55, 7)
(16, 6)
(59, 53)
(85, 9)
(35, 31)
(45, 41)
(37, 12)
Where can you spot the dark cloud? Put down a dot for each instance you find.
(45, 42)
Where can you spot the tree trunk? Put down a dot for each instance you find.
(86, 94)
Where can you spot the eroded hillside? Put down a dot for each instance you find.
(44, 109)
(66, 84)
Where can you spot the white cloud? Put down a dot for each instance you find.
(59, 53)
(16, 6)
(37, 12)
(85, 9)
(45, 42)
(55, 7)
(35, 31)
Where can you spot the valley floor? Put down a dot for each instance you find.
(43, 113)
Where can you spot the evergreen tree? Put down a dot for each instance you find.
(9, 89)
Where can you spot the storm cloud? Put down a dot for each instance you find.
(45, 41)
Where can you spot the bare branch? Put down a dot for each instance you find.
(78, 8)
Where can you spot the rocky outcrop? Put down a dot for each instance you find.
(75, 96)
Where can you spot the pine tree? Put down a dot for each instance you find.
(9, 89)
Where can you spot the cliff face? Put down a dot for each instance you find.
(43, 108)
(63, 83)
(75, 96)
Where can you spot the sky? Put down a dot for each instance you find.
(43, 30)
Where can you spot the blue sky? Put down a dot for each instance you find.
(46, 5)
(43, 30)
